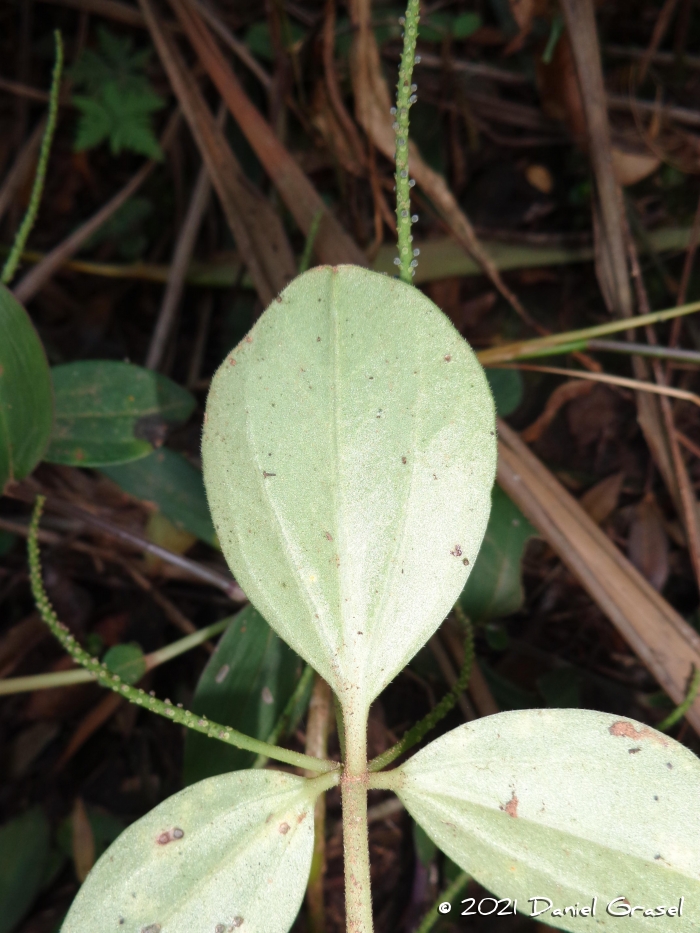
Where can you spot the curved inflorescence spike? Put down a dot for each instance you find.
(106, 678)
(405, 98)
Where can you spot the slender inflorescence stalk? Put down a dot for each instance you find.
(433, 915)
(405, 97)
(680, 711)
(154, 659)
(106, 678)
(420, 729)
(38, 187)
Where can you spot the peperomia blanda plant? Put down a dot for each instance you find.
(349, 453)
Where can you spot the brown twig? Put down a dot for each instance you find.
(179, 266)
(35, 280)
(660, 26)
(255, 225)
(333, 244)
(661, 638)
(317, 730)
(190, 567)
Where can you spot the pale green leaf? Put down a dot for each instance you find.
(26, 397)
(349, 453)
(232, 851)
(568, 805)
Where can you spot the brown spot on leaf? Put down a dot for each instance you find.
(466, 561)
(329, 536)
(168, 835)
(511, 808)
(633, 751)
(403, 460)
(237, 922)
(457, 551)
(284, 828)
(448, 358)
(266, 474)
(231, 361)
(628, 731)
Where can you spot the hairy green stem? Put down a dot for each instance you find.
(421, 728)
(405, 98)
(13, 259)
(106, 678)
(354, 783)
(358, 894)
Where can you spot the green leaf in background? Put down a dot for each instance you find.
(349, 452)
(111, 412)
(507, 388)
(105, 829)
(495, 588)
(258, 39)
(173, 485)
(127, 661)
(24, 848)
(508, 695)
(561, 688)
(246, 685)
(232, 851)
(568, 804)
(426, 850)
(26, 398)
(441, 25)
(125, 230)
(122, 117)
(119, 100)
(465, 24)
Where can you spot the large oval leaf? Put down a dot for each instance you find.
(567, 805)
(112, 412)
(26, 399)
(246, 684)
(349, 453)
(232, 851)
